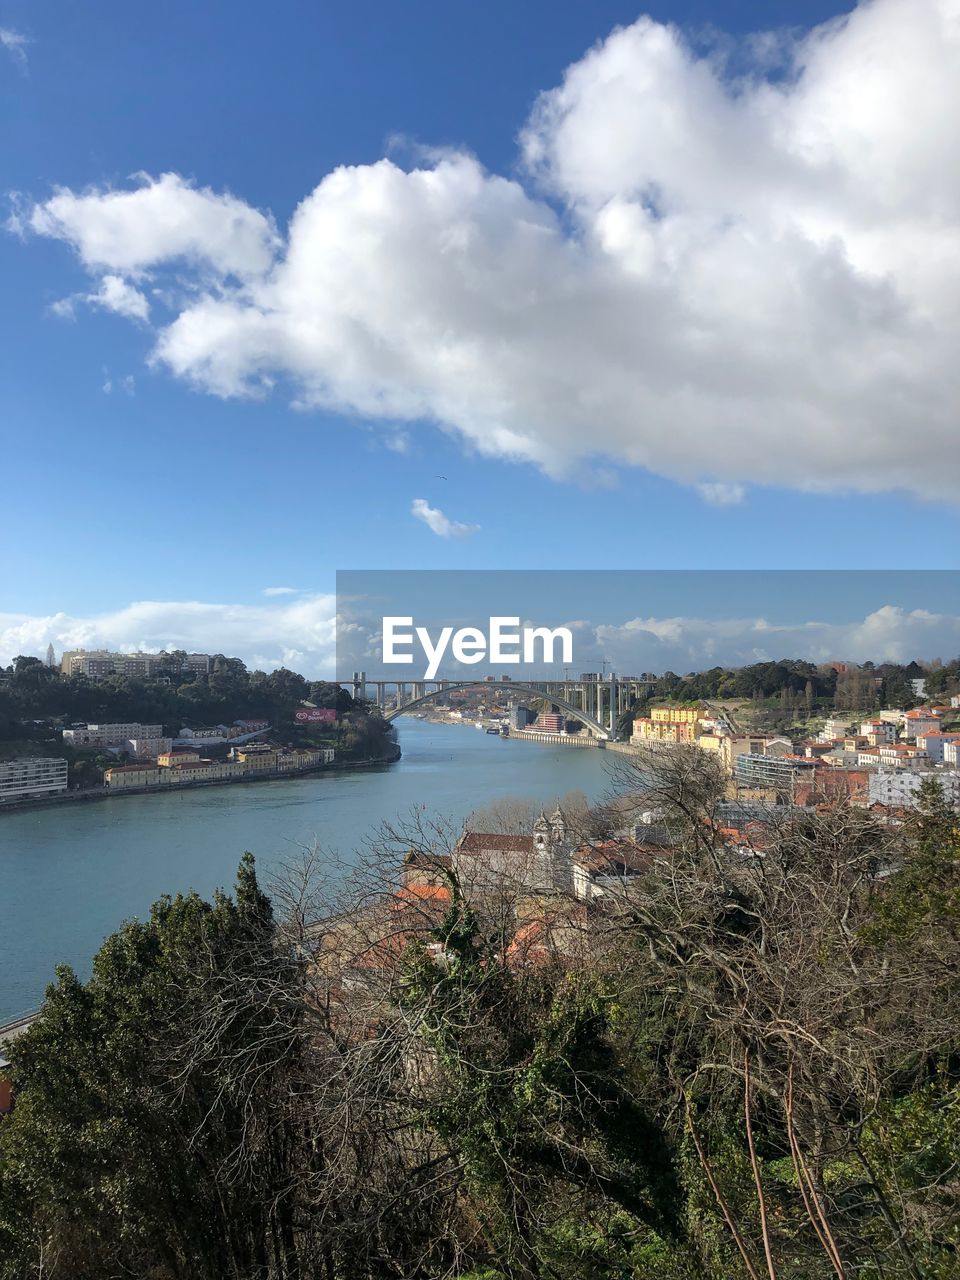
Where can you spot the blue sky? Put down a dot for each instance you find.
(132, 479)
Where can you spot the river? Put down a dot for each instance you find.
(70, 875)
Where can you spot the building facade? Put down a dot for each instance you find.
(111, 735)
(98, 663)
(900, 788)
(32, 777)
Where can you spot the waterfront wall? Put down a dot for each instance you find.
(266, 775)
(558, 739)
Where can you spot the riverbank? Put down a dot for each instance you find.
(91, 794)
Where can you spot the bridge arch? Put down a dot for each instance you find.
(601, 731)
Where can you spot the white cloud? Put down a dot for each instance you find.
(117, 294)
(281, 591)
(301, 634)
(15, 44)
(752, 281)
(161, 220)
(721, 494)
(887, 634)
(298, 634)
(440, 524)
(114, 294)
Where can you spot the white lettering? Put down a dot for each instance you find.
(391, 639)
(504, 641)
(469, 645)
(498, 637)
(549, 638)
(434, 653)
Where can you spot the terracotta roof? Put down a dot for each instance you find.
(617, 856)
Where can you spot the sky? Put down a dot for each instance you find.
(473, 286)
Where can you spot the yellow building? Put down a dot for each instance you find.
(131, 775)
(166, 759)
(677, 715)
(728, 748)
(669, 724)
(256, 757)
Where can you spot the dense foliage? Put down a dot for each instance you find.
(31, 690)
(745, 1066)
(32, 695)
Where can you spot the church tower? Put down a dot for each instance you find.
(558, 825)
(542, 872)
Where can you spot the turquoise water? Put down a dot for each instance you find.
(69, 876)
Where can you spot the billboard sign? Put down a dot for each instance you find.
(315, 715)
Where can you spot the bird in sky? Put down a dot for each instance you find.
(439, 477)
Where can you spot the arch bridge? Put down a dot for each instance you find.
(599, 730)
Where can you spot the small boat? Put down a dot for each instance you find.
(494, 731)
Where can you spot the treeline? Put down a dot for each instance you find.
(857, 687)
(744, 1066)
(30, 690)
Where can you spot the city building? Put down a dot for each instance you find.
(728, 747)
(772, 774)
(934, 745)
(669, 724)
(900, 755)
(98, 663)
(900, 788)
(882, 729)
(834, 728)
(519, 716)
(147, 748)
(550, 722)
(32, 777)
(94, 736)
(920, 721)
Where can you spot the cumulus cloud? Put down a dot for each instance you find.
(723, 272)
(159, 220)
(887, 634)
(15, 44)
(299, 634)
(440, 524)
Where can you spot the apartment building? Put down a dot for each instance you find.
(98, 663)
(920, 721)
(31, 777)
(900, 788)
(934, 745)
(669, 724)
(96, 736)
(778, 774)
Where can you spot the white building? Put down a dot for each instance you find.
(885, 729)
(935, 744)
(31, 777)
(951, 751)
(920, 721)
(834, 728)
(110, 735)
(899, 788)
